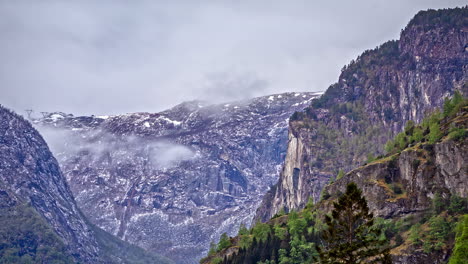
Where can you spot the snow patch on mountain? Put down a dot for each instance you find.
(173, 181)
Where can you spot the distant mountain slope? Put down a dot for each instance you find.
(373, 99)
(173, 181)
(40, 221)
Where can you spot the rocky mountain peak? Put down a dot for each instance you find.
(375, 96)
(448, 26)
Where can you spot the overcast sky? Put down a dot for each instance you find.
(110, 57)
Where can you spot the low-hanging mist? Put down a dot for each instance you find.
(160, 154)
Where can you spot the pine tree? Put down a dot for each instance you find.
(350, 237)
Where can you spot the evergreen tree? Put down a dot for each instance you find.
(438, 203)
(460, 251)
(350, 237)
(434, 133)
(224, 242)
(261, 231)
(458, 205)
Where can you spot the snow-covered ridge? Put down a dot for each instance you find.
(178, 175)
(185, 115)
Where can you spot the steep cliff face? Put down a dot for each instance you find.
(418, 173)
(373, 99)
(39, 219)
(416, 193)
(30, 176)
(173, 181)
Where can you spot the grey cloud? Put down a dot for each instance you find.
(111, 57)
(167, 155)
(98, 144)
(229, 86)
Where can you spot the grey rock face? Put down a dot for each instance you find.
(419, 181)
(30, 174)
(171, 182)
(397, 82)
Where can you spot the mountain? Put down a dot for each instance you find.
(418, 194)
(40, 221)
(172, 182)
(33, 186)
(375, 96)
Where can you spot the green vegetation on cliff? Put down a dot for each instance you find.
(430, 130)
(26, 238)
(435, 229)
(430, 230)
(460, 251)
(455, 17)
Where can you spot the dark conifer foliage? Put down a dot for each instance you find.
(350, 237)
(259, 251)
